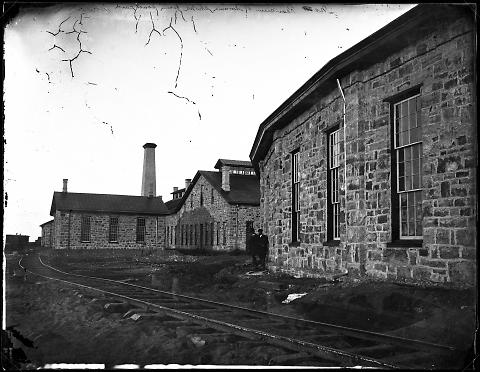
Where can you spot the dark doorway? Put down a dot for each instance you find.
(248, 232)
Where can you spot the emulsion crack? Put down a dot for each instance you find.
(181, 49)
(56, 46)
(153, 29)
(181, 97)
(59, 27)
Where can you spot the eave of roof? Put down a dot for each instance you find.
(223, 193)
(372, 48)
(233, 163)
(45, 223)
(107, 203)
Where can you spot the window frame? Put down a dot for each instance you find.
(141, 230)
(86, 229)
(333, 221)
(396, 217)
(114, 226)
(295, 202)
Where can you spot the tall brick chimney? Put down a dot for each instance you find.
(188, 181)
(148, 177)
(65, 182)
(226, 178)
(175, 188)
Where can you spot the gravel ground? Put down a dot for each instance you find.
(72, 329)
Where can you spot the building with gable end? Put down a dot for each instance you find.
(216, 210)
(370, 166)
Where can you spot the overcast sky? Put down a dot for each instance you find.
(196, 80)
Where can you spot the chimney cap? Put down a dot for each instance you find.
(149, 145)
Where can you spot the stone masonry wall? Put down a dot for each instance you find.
(226, 218)
(441, 63)
(47, 235)
(70, 229)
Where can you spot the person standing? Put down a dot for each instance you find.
(263, 246)
(252, 249)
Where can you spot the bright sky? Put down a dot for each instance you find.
(238, 64)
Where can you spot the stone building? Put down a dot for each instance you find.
(393, 196)
(216, 210)
(109, 221)
(47, 234)
(16, 242)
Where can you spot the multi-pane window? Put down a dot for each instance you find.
(212, 226)
(201, 195)
(408, 151)
(206, 234)
(212, 196)
(218, 233)
(85, 229)
(333, 207)
(113, 229)
(196, 233)
(224, 233)
(140, 229)
(295, 197)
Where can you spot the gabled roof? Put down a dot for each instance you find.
(233, 163)
(244, 189)
(174, 205)
(394, 36)
(107, 203)
(45, 223)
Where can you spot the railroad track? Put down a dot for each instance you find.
(304, 342)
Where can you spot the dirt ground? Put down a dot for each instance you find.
(57, 325)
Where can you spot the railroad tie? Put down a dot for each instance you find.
(290, 357)
(377, 350)
(413, 358)
(315, 336)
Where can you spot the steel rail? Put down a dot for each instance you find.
(349, 330)
(315, 349)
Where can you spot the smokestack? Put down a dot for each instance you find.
(187, 183)
(226, 178)
(148, 177)
(65, 182)
(175, 189)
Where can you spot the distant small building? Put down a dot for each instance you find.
(47, 234)
(106, 221)
(216, 210)
(16, 242)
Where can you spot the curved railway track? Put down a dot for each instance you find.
(304, 342)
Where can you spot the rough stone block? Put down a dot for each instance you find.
(462, 272)
(404, 272)
(449, 252)
(421, 273)
(395, 255)
(464, 237)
